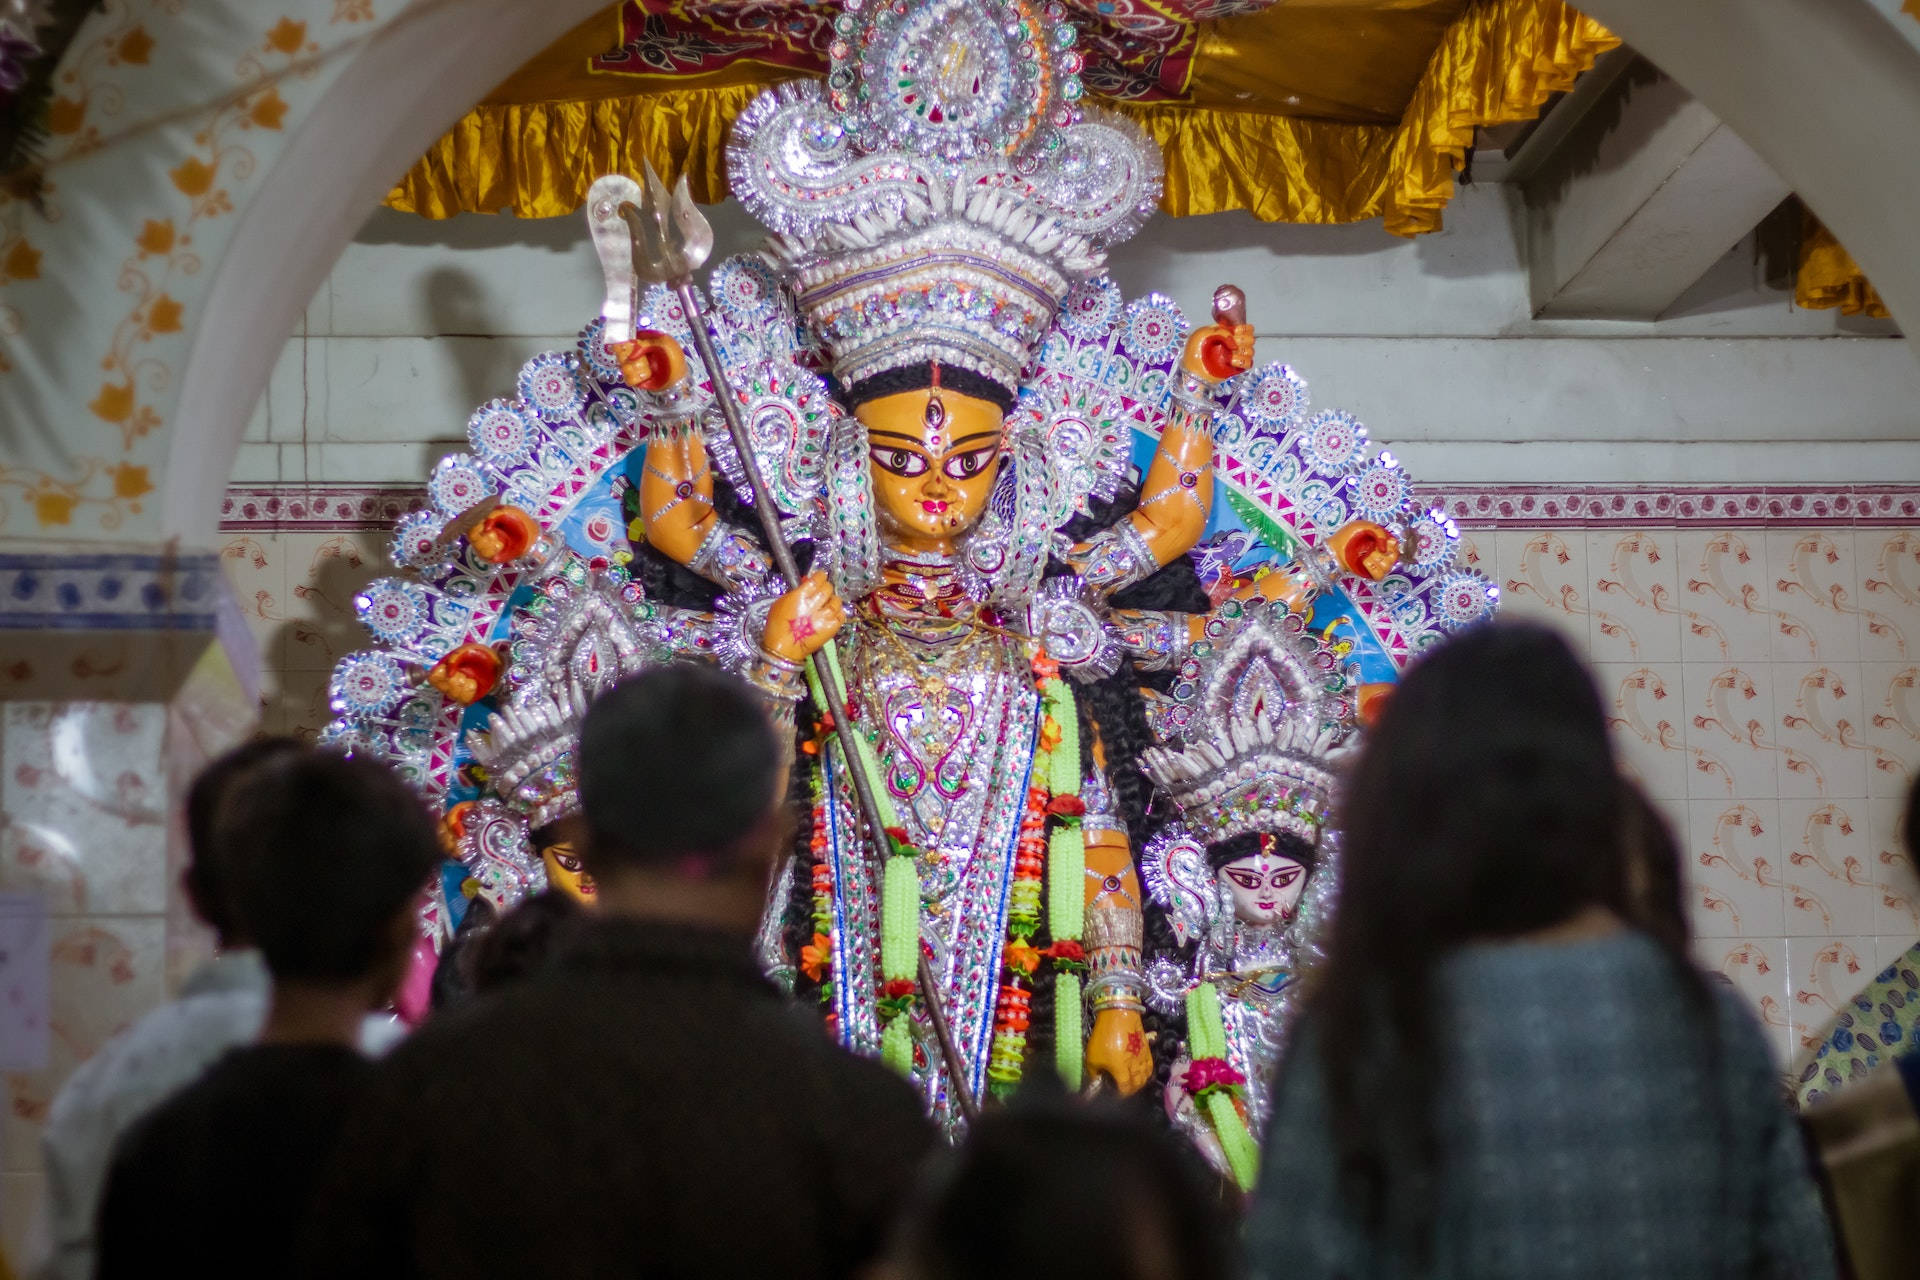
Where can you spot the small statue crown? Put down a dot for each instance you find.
(1259, 724)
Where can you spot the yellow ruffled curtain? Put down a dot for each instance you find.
(1496, 63)
(1829, 277)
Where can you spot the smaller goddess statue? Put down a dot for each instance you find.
(1241, 883)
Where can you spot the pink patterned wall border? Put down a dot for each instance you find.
(1692, 506)
(329, 508)
(316, 508)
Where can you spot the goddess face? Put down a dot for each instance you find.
(1265, 887)
(935, 455)
(559, 852)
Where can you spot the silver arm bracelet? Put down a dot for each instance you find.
(1117, 557)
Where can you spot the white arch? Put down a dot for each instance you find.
(403, 90)
(1827, 93)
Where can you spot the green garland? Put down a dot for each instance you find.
(1207, 1038)
(1066, 881)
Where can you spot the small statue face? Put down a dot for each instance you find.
(565, 872)
(935, 456)
(558, 844)
(1265, 887)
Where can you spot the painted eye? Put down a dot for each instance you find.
(965, 466)
(902, 462)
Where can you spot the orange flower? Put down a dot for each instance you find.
(130, 481)
(156, 237)
(23, 262)
(269, 109)
(1021, 957)
(287, 36)
(192, 178)
(115, 401)
(165, 315)
(135, 46)
(66, 115)
(1049, 734)
(1045, 668)
(816, 957)
(53, 508)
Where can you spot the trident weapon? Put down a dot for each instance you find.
(643, 235)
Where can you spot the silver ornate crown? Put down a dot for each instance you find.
(582, 633)
(528, 749)
(939, 194)
(1261, 721)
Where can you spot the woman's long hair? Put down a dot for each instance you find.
(1484, 804)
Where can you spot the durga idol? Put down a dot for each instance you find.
(976, 207)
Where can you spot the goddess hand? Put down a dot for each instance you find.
(1216, 352)
(1118, 1050)
(803, 619)
(653, 361)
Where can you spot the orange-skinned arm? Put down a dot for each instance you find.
(1176, 495)
(676, 495)
(1117, 1048)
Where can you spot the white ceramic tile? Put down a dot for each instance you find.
(1813, 595)
(325, 571)
(1729, 726)
(1735, 868)
(1831, 886)
(1888, 564)
(107, 971)
(256, 568)
(1826, 973)
(85, 798)
(1724, 596)
(1632, 591)
(1890, 704)
(1758, 967)
(1543, 575)
(1647, 714)
(23, 1221)
(1476, 551)
(1819, 719)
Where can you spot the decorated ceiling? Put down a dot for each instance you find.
(1295, 110)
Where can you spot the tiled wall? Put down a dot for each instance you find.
(1762, 677)
(1762, 680)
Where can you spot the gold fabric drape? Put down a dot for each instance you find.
(529, 150)
(1829, 277)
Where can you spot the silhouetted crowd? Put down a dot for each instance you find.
(1507, 1066)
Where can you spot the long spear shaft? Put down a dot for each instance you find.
(826, 672)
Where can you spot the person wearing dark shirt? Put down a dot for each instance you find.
(215, 1182)
(647, 1104)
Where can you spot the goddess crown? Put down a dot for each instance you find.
(937, 197)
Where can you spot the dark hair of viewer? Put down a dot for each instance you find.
(1484, 804)
(1654, 871)
(337, 850)
(1019, 1188)
(519, 944)
(678, 762)
(206, 880)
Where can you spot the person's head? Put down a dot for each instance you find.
(1656, 881)
(1263, 874)
(1073, 1192)
(682, 780)
(1483, 802)
(521, 941)
(203, 879)
(1484, 805)
(330, 857)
